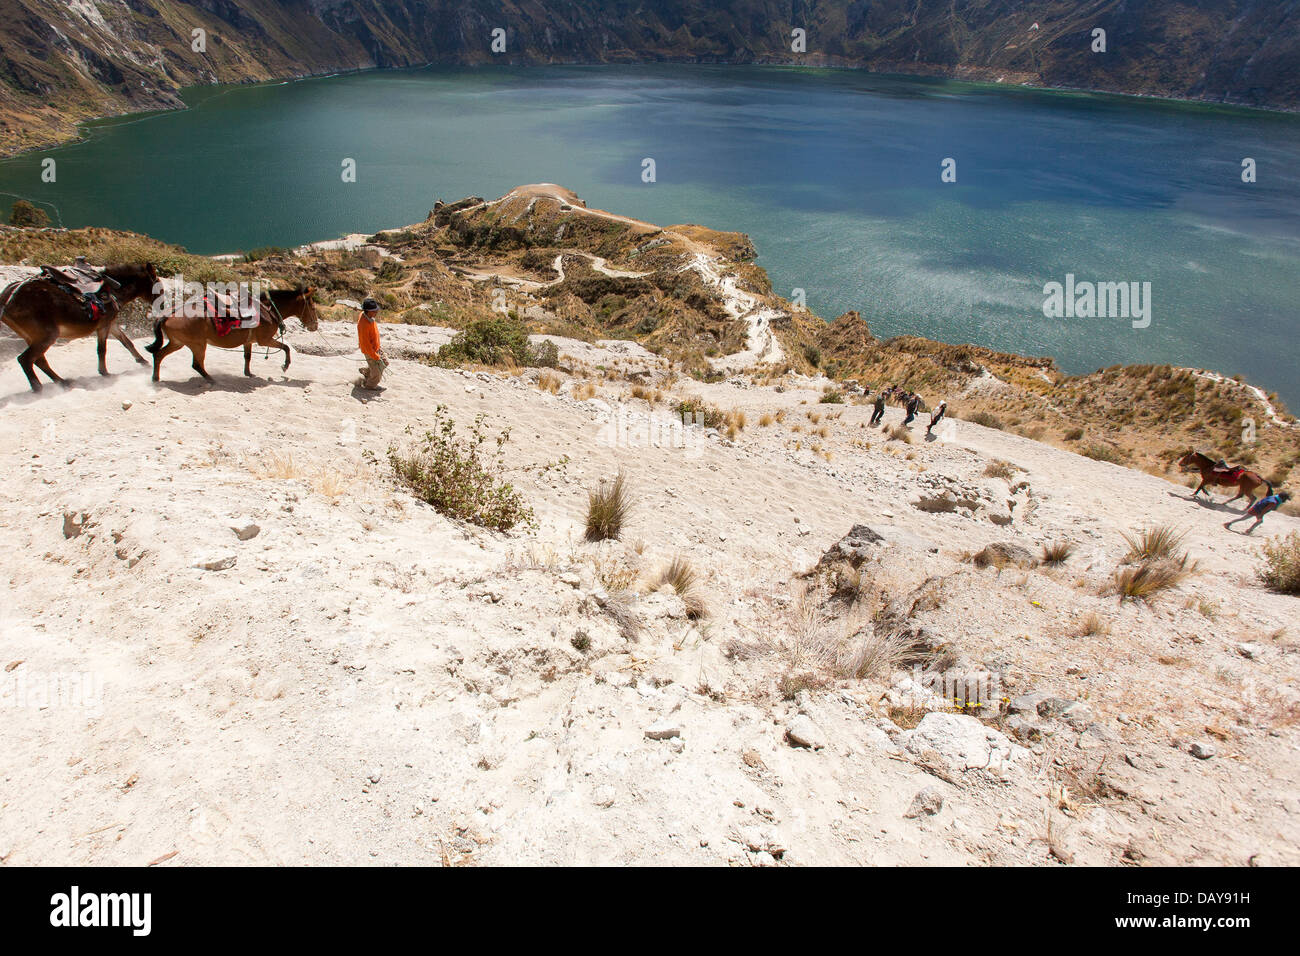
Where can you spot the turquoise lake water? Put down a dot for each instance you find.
(834, 174)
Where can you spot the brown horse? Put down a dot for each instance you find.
(1246, 482)
(197, 332)
(41, 312)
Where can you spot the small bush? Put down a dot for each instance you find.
(581, 642)
(832, 397)
(459, 477)
(24, 213)
(1074, 434)
(495, 340)
(549, 382)
(813, 354)
(546, 354)
(1104, 453)
(987, 419)
(1281, 568)
(607, 508)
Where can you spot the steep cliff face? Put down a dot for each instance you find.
(61, 61)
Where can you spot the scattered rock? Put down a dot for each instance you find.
(1203, 750)
(219, 563)
(1026, 703)
(1053, 706)
(802, 732)
(855, 547)
(963, 741)
(1078, 716)
(245, 530)
(1001, 554)
(604, 796)
(1249, 651)
(663, 729)
(74, 524)
(927, 802)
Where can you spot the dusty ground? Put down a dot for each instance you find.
(365, 681)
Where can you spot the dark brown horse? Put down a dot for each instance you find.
(196, 332)
(42, 312)
(1246, 482)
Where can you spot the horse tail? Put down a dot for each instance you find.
(157, 342)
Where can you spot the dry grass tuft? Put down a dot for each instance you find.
(1281, 568)
(1154, 543)
(681, 574)
(607, 508)
(1057, 553)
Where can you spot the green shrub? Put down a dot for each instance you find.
(546, 354)
(813, 354)
(459, 477)
(832, 397)
(24, 213)
(492, 340)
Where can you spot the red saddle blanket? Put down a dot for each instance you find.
(227, 314)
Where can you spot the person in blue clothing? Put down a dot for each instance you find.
(1262, 506)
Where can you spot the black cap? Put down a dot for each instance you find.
(370, 305)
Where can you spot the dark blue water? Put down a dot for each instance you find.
(835, 175)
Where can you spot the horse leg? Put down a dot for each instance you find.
(35, 353)
(286, 355)
(248, 357)
(130, 346)
(1199, 488)
(101, 346)
(162, 353)
(199, 350)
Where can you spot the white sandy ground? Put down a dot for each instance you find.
(373, 683)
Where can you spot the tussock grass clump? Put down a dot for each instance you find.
(998, 468)
(900, 433)
(1281, 568)
(1091, 625)
(459, 477)
(1156, 563)
(832, 397)
(1142, 582)
(607, 508)
(681, 574)
(767, 420)
(694, 411)
(584, 391)
(1160, 541)
(1056, 553)
(549, 382)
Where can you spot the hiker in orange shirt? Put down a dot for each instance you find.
(368, 338)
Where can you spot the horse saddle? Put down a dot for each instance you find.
(230, 312)
(79, 278)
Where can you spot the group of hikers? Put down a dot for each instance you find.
(911, 403)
